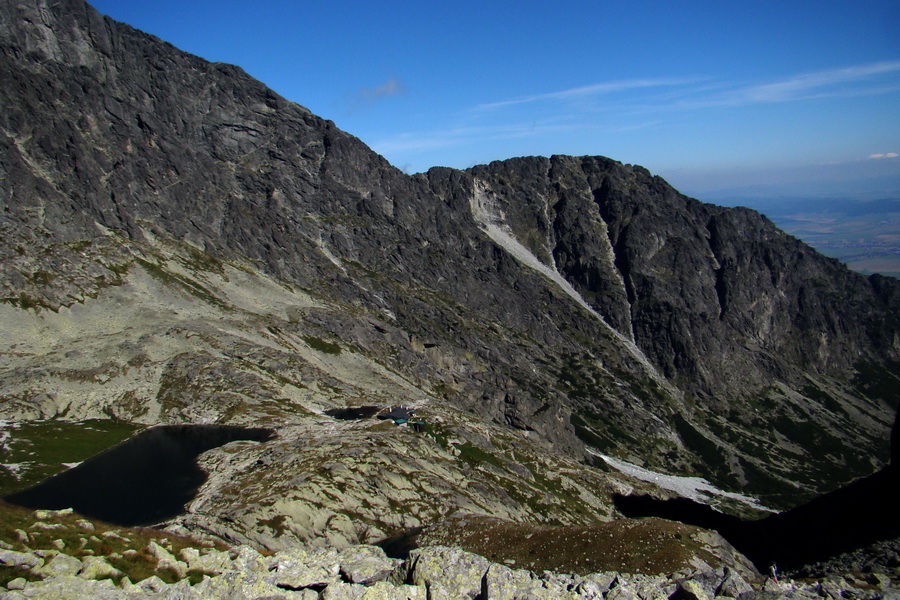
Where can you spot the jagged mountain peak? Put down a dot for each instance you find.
(181, 244)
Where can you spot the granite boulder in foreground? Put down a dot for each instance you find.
(364, 572)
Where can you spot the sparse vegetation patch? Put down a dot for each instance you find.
(321, 345)
(631, 546)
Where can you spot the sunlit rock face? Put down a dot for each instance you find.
(182, 245)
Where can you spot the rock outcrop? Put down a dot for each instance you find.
(365, 573)
(182, 245)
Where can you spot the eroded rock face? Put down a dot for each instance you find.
(181, 244)
(662, 268)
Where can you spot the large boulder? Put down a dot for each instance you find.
(11, 558)
(503, 583)
(67, 587)
(96, 567)
(366, 564)
(447, 573)
(59, 565)
(305, 568)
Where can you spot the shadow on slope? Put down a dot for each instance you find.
(852, 517)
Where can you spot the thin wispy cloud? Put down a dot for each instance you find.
(613, 112)
(651, 94)
(596, 89)
(391, 87)
(860, 80)
(365, 96)
(456, 136)
(829, 83)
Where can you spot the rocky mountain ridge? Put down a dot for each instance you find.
(182, 245)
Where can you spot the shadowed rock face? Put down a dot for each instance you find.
(579, 300)
(850, 518)
(895, 442)
(841, 521)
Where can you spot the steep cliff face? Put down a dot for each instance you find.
(731, 311)
(695, 285)
(258, 248)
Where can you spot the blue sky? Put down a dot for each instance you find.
(787, 95)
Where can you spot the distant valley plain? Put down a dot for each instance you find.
(863, 234)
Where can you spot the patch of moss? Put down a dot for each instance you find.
(603, 434)
(587, 435)
(577, 379)
(475, 456)
(382, 426)
(648, 546)
(366, 271)
(201, 260)
(438, 434)
(167, 277)
(565, 496)
(321, 345)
